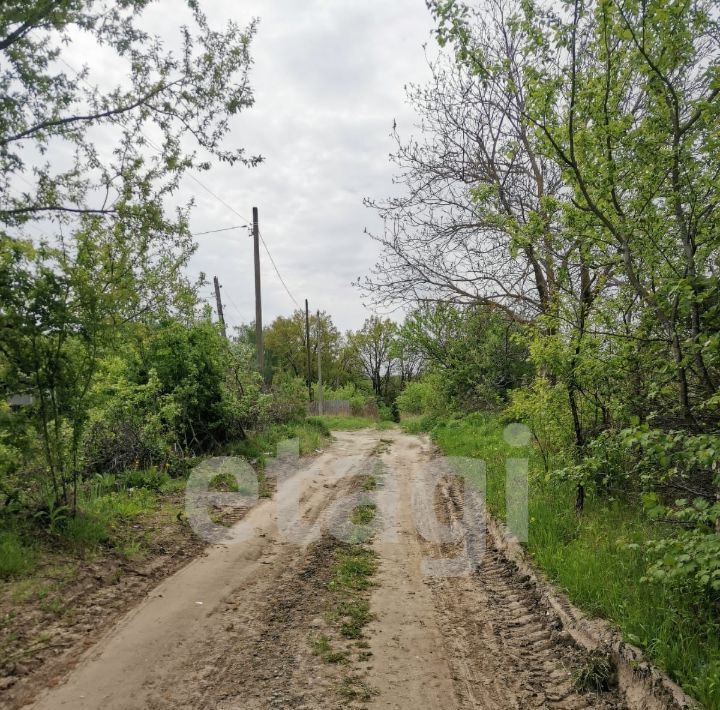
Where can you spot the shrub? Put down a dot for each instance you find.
(152, 478)
(543, 408)
(689, 560)
(358, 404)
(426, 396)
(135, 426)
(289, 399)
(385, 413)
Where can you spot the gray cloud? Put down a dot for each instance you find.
(328, 79)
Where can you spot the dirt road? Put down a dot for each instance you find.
(258, 623)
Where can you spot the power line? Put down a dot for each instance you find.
(277, 271)
(210, 192)
(215, 231)
(235, 308)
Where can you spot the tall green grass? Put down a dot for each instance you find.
(598, 558)
(17, 557)
(343, 423)
(312, 433)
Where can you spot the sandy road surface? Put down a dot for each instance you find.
(234, 628)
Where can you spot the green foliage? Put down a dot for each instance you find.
(289, 399)
(16, 557)
(286, 350)
(474, 354)
(353, 570)
(643, 458)
(689, 560)
(385, 413)
(85, 534)
(341, 423)
(153, 478)
(312, 434)
(322, 647)
(543, 408)
(364, 513)
(424, 396)
(114, 255)
(373, 345)
(134, 424)
(195, 367)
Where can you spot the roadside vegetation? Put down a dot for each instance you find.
(554, 238)
(599, 557)
(558, 243)
(116, 378)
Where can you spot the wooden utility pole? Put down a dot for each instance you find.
(221, 315)
(320, 390)
(307, 350)
(260, 353)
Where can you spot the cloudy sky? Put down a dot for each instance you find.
(328, 79)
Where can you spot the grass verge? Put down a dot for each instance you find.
(596, 557)
(342, 423)
(112, 509)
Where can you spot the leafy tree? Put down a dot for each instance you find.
(475, 348)
(285, 350)
(116, 254)
(477, 220)
(624, 100)
(373, 345)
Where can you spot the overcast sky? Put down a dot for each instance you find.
(328, 79)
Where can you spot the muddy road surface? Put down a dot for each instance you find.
(333, 595)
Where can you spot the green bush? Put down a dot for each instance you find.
(690, 559)
(134, 425)
(289, 399)
(425, 396)
(385, 413)
(358, 403)
(151, 478)
(543, 408)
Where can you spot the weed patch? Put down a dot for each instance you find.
(321, 646)
(364, 513)
(353, 570)
(597, 675)
(353, 687)
(16, 558)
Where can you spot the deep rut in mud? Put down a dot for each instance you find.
(501, 646)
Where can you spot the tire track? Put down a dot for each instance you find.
(499, 645)
(509, 649)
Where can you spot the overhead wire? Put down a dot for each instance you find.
(215, 231)
(277, 271)
(227, 205)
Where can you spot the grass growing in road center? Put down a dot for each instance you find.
(352, 569)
